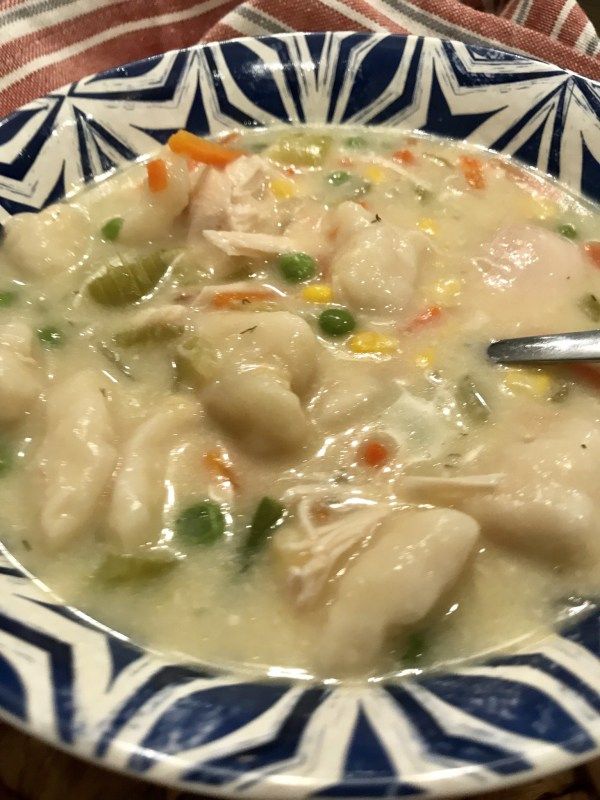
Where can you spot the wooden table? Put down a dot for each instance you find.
(30, 770)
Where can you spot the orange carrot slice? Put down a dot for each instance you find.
(424, 318)
(188, 144)
(472, 169)
(405, 157)
(158, 176)
(592, 251)
(374, 453)
(219, 466)
(586, 373)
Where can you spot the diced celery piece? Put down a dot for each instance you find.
(196, 360)
(129, 281)
(471, 400)
(302, 149)
(124, 568)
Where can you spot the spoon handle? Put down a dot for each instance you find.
(577, 346)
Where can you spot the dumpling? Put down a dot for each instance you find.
(545, 519)
(375, 270)
(415, 558)
(544, 503)
(278, 338)
(347, 219)
(147, 216)
(257, 406)
(347, 395)
(139, 494)
(50, 242)
(263, 365)
(20, 375)
(522, 262)
(77, 457)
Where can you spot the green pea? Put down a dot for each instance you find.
(297, 267)
(51, 336)
(415, 648)
(336, 321)
(422, 194)
(7, 299)
(337, 178)
(355, 142)
(112, 228)
(568, 231)
(202, 523)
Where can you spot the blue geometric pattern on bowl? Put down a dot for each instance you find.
(70, 680)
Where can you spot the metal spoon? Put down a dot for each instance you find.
(577, 346)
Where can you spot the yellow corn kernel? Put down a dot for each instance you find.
(372, 342)
(426, 358)
(428, 225)
(317, 293)
(374, 174)
(447, 287)
(535, 383)
(540, 208)
(282, 188)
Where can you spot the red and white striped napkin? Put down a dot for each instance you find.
(46, 43)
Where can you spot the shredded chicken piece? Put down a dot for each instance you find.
(322, 490)
(240, 243)
(234, 198)
(440, 489)
(210, 202)
(309, 554)
(388, 163)
(247, 175)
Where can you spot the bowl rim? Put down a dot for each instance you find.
(549, 762)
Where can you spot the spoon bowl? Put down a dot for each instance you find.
(556, 347)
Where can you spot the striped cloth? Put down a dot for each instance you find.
(46, 43)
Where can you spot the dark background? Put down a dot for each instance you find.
(592, 7)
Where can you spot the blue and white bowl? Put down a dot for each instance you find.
(71, 681)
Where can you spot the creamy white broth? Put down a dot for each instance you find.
(361, 439)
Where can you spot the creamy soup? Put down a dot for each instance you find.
(246, 412)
